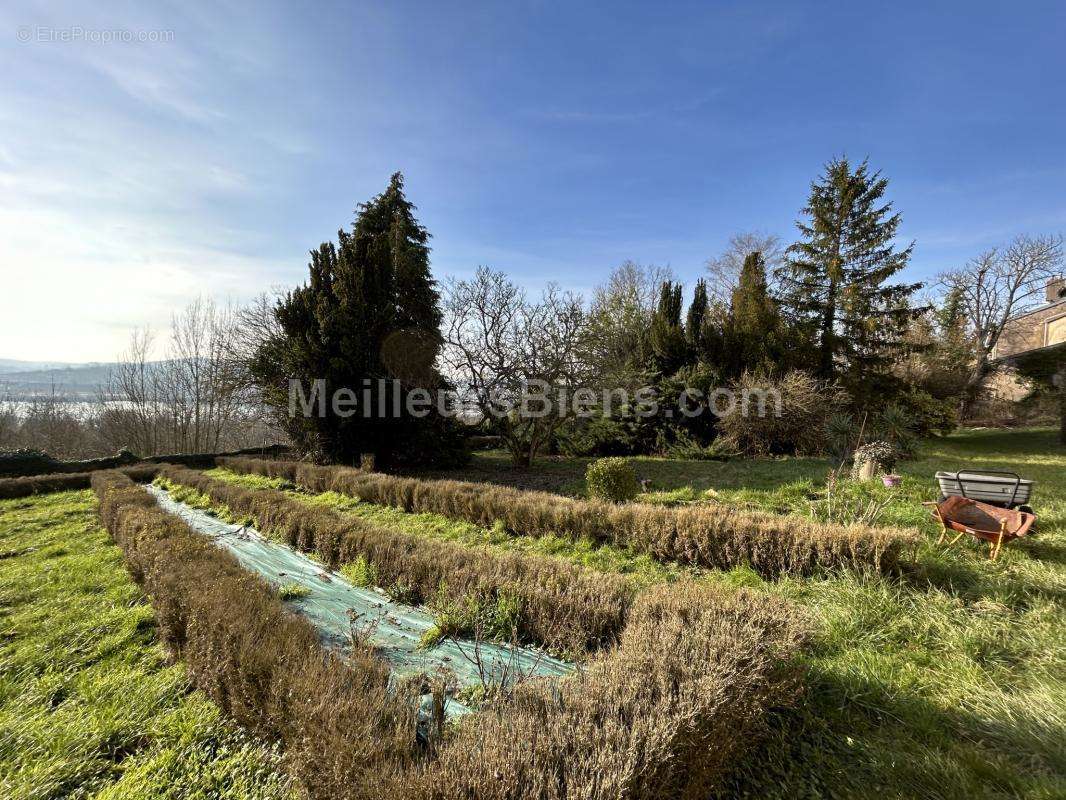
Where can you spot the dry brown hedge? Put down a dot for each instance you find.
(64, 481)
(707, 536)
(345, 733)
(563, 606)
(662, 714)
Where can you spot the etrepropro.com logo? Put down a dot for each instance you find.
(71, 34)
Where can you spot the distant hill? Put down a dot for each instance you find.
(14, 365)
(21, 379)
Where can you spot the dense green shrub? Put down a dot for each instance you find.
(600, 436)
(611, 479)
(928, 414)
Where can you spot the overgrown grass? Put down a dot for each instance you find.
(949, 682)
(89, 706)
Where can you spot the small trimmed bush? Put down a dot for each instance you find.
(611, 479)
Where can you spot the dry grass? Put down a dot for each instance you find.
(561, 606)
(717, 537)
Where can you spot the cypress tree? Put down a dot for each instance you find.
(835, 283)
(754, 334)
(369, 315)
(668, 343)
(697, 314)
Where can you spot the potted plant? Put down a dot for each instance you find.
(872, 459)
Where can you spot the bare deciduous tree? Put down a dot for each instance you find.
(518, 362)
(997, 285)
(197, 398)
(619, 321)
(723, 271)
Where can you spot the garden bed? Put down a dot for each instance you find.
(665, 709)
(405, 636)
(719, 537)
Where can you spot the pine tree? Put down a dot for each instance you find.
(754, 331)
(369, 315)
(835, 284)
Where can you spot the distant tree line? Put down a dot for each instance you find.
(827, 322)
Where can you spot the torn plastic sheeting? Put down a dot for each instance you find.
(334, 605)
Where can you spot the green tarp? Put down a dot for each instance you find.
(334, 606)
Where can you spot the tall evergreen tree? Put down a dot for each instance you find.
(697, 315)
(754, 330)
(668, 345)
(369, 315)
(835, 284)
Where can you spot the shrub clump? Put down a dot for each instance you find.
(611, 479)
(882, 454)
(779, 416)
(26, 486)
(664, 714)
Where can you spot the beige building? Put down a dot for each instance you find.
(1035, 342)
(1041, 327)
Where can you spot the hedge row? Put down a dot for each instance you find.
(64, 482)
(664, 713)
(336, 718)
(562, 606)
(37, 463)
(707, 536)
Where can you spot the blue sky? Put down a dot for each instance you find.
(549, 140)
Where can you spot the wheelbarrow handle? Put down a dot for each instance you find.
(1015, 475)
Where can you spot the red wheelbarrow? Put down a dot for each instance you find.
(986, 522)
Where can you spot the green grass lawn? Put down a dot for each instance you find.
(89, 705)
(946, 682)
